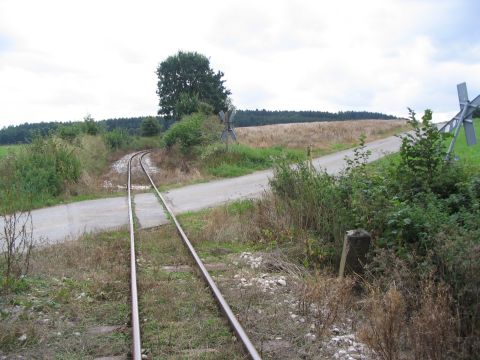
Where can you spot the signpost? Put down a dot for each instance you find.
(227, 119)
(464, 117)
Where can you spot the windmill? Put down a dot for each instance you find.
(228, 131)
(464, 117)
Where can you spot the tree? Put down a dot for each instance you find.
(89, 126)
(189, 75)
(150, 126)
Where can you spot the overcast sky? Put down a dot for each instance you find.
(60, 60)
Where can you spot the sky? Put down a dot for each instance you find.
(63, 59)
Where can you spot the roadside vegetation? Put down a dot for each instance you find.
(418, 297)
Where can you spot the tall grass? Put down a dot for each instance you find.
(241, 159)
(321, 135)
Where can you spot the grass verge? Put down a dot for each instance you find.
(74, 305)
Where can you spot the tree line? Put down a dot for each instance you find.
(19, 134)
(24, 133)
(265, 117)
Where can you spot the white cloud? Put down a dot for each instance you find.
(62, 59)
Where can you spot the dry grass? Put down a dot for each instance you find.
(432, 330)
(384, 327)
(319, 135)
(326, 299)
(74, 288)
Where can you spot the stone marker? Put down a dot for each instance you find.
(355, 248)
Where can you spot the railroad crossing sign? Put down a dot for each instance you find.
(464, 117)
(227, 119)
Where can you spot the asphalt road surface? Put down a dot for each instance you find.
(67, 222)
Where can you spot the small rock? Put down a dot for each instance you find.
(281, 282)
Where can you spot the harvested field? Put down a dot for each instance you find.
(320, 135)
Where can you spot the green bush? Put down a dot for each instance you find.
(117, 139)
(422, 210)
(187, 133)
(68, 132)
(41, 171)
(150, 126)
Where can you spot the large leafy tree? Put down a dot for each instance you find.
(189, 75)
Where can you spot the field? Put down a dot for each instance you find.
(321, 136)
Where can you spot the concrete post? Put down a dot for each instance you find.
(354, 253)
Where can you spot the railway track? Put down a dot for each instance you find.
(217, 295)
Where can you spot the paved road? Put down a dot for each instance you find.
(200, 196)
(66, 222)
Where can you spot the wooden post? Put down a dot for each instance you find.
(354, 253)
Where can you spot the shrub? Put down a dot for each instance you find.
(186, 133)
(150, 126)
(117, 139)
(41, 171)
(422, 154)
(313, 200)
(68, 132)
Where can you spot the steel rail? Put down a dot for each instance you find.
(137, 345)
(237, 328)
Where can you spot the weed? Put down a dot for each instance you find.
(327, 299)
(385, 323)
(432, 330)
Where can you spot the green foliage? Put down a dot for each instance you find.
(23, 133)
(419, 208)
(186, 78)
(187, 133)
(89, 126)
(39, 172)
(68, 132)
(242, 160)
(187, 104)
(150, 126)
(268, 117)
(314, 203)
(422, 153)
(117, 139)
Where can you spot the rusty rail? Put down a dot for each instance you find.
(225, 308)
(137, 345)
